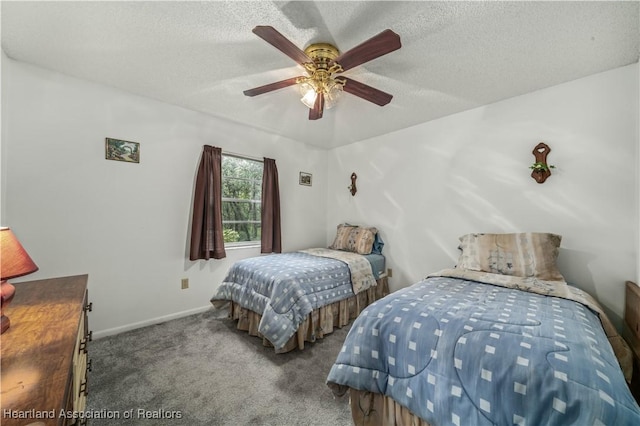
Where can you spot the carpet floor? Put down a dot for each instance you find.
(201, 370)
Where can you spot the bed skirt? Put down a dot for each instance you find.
(319, 322)
(374, 409)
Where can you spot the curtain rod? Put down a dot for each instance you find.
(249, 157)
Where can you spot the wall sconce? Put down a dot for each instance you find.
(540, 169)
(352, 187)
(15, 263)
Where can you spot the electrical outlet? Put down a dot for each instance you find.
(185, 283)
(389, 272)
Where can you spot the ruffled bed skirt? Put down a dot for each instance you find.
(374, 409)
(319, 322)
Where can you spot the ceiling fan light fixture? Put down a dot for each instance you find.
(333, 90)
(320, 76)
(308, 93)
(320, 81)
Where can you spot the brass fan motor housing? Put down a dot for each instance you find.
(322, 53)
(322, 67)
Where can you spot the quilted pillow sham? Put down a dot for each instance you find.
(356, 239)
(527, 254)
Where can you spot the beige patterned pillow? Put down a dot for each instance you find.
(356, 239)
(529, 254)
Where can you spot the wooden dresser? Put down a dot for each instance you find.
(44, 360)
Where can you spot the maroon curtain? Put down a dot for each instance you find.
(207, 239)
(270, 241)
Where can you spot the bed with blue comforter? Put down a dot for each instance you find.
(282, 292)
(456, 351)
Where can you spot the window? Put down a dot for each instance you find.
(241, 199)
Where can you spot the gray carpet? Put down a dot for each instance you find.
(212, 374)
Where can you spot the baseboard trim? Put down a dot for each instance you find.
(152, 321)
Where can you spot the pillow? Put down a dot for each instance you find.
(528, 254)
(356, 239)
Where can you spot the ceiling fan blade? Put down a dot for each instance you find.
(366, 92)
(318, 107)
(385, 42)
(280, 42)
(271, 87)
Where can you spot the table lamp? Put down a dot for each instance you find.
(15, 263)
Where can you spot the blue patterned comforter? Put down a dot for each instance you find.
(284, 288)
(460, 352)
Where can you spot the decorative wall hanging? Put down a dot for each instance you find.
(305, 179)
(540, 170)
(352, 187)
(119, 150)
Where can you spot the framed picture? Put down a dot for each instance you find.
(305, 179)
(119, 150)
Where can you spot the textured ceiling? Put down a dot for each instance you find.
(201, 55)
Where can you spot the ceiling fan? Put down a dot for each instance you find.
(321, 87)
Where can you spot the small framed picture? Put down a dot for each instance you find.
(119, 150)
(305, 179)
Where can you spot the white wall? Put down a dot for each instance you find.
(125, 224)
(4, 76)
(425, 186)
